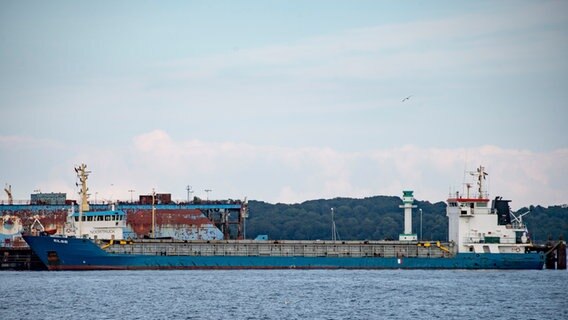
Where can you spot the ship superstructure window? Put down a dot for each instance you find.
(89, 218)
(107, 218)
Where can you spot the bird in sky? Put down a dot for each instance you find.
(407, 98)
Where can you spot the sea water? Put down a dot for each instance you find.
(285, 294)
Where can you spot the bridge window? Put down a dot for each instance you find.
(89, 218)
(107, 218)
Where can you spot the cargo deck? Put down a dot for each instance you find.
(278, 248)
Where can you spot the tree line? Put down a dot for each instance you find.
(376, 218)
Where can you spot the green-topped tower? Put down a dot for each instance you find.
(407, 200)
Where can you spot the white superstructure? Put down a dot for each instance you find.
(475, 226)
(104, 225)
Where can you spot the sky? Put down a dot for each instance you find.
(285, 101)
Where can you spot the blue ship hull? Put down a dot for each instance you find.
(60, 253)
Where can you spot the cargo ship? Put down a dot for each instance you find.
(49, 213)
(483, 234)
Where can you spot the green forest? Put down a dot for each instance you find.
(377, 218)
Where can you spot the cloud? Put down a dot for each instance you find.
(286, 174)
(496, 39)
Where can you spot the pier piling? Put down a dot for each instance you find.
(561, 255)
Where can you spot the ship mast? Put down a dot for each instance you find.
(480, 174)
(333, 227)
(82, 174)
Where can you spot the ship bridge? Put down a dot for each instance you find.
(477, 227)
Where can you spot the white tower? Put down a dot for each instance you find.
(407, 200)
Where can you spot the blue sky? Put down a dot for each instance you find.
(285, 101)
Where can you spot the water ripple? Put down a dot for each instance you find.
(284, 294)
